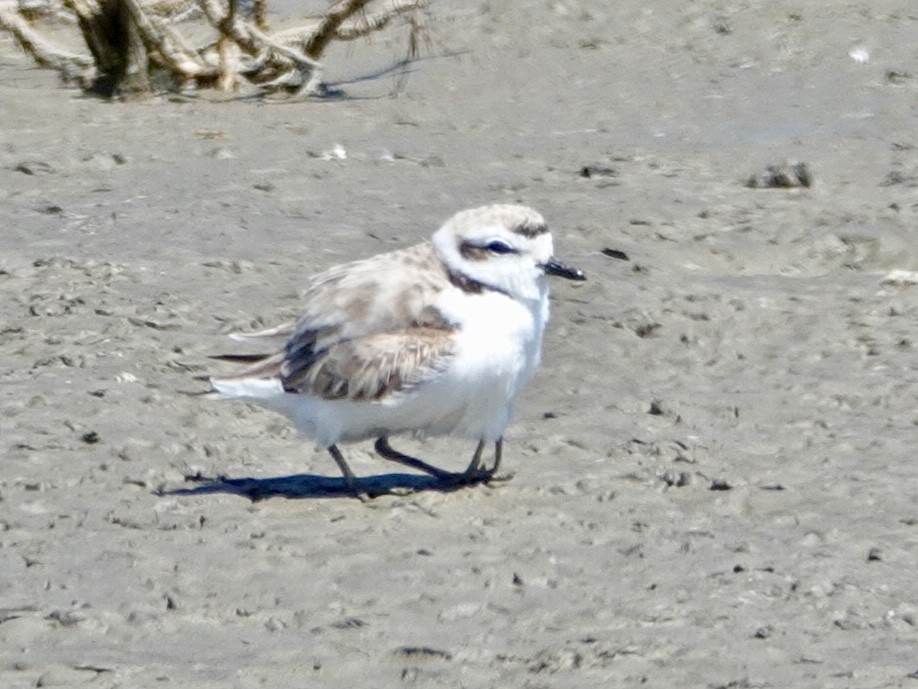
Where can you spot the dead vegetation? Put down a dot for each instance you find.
(133, 44)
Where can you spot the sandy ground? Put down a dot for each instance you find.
(715, 473)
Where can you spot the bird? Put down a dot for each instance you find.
(434, 339)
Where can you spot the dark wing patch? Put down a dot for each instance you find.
(371, 367)
(360, 337)
(300, 354)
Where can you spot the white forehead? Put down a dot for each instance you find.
(499, 216)
(519, 225)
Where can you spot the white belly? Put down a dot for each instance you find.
(497, 352)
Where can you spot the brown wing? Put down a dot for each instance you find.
(380, 294)
(368, 368)
(383, 295)
(362, 336)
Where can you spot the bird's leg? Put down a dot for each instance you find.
(498, 454)
(475, 465)
(475, 472)
(384, 450)
(349, 477)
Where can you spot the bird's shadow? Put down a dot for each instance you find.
(301, 486)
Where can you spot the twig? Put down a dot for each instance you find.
(366, 24)
(43, 52)
(287, 59)
(159, 40)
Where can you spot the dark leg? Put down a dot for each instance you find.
(384, 450)
(349, 477)
(475, 471)
(475, 465)
(498, 454)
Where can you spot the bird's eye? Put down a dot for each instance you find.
(499, 247)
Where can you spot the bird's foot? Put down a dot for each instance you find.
(472, 477)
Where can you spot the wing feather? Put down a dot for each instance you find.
(371, 367)
(362, 336)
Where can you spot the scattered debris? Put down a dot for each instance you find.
(676, 479)
(615, 253)
(34, 167)
(900, 278)
(894, 177)
(721, 25)
(787, 176)
(859, 54)
(337, 152)
(590, 171)
(349, 623)
(423, 652)
(897, 76)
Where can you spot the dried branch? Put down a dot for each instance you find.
(127, 36)
(45, 53)
(163, 43)
(338, 13)
(365, 24)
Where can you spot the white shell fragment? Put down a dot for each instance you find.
(860, 55)
(900, 277)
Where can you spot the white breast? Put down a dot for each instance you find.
(498, 346)
(498, 351)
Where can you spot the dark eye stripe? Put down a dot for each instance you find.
(473, 252)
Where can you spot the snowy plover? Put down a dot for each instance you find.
(435, 339)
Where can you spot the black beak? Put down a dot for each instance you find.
(555, 267)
